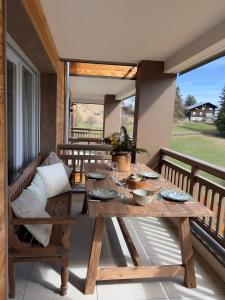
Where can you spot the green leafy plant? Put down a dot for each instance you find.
(122, 142)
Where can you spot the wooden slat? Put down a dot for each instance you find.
(139, 272)
(103, 70)
(130, 245)
(67, 220)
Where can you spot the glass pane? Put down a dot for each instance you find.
(27, 103)
(11, 103)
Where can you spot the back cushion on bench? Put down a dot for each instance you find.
(55, 179)
(28, 205)
(52, 159)
(37, 186)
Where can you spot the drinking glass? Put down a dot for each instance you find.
(123, 185)
(114, 167)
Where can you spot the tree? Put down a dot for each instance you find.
(178, 106)
(190, 100)
(220, 122)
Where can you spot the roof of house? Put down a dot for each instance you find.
(199, 104)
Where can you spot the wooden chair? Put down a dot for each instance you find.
(75, 156)
(23, 247)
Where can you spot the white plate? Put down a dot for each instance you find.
(103, 194)
(175, 196)
(96, 175)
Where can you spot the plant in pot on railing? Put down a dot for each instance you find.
(123, 147)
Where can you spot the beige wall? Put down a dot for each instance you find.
(155, 96)
(112, 115)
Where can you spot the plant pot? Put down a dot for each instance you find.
(123, 160)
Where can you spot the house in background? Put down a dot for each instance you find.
(201, 112)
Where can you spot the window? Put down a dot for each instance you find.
(127, 114)
(23, 110)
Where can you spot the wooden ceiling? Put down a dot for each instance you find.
(103, 70)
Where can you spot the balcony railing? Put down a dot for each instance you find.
(86, 133)
(193, 179)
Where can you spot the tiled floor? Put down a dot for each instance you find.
(156, 242)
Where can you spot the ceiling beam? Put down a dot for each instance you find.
(103, 70)
(207, 47)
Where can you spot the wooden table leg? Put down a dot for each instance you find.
(187, 252)
(94, 256)
(84, 207)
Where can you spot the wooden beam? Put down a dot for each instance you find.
(103, 70)
(117, 273)
(37, 17)
(3, 158)
(130, 245)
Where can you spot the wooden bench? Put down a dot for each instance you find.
(22, 245)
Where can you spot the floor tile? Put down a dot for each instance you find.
(131, 289)
(208, 284)
(45, 282)
(23, 271)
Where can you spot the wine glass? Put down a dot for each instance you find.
(114, 167)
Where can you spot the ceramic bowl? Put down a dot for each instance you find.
(143, 197)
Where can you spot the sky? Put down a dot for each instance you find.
(205, 82)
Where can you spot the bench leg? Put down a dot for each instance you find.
(64, 275)
(12, 278)
(187, 253)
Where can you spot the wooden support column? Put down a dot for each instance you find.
(3, 158)
(112, 114)
(155, 96)
(48, 113)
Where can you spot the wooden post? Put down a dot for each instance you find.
(93, 264)
(187, 252)
(3, 156)
(194, 172)
(154, 106)
(112, 115)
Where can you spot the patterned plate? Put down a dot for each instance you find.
(150, 175)
(103, 194)
(175, 196)
(96, 175)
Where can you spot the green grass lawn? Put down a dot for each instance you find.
(89, 126)
(207, 148)
(189, 127)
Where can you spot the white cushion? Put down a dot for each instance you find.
(53, 158)
(37, 186)
(28, 205)
(55, 179)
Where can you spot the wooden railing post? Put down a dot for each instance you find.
(194, 172)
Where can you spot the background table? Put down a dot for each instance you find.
(128, 208)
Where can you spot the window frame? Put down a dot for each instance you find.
(15, 55)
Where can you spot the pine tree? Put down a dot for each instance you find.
(220, 122)
(190, 100)
(178, 106)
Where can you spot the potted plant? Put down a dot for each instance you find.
(123, 146)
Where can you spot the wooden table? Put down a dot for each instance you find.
(158, 208)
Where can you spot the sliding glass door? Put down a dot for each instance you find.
(23, 111)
